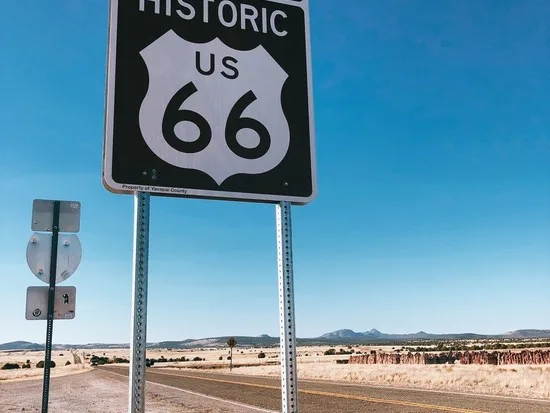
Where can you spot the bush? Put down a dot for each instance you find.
(261, 355)
(197, 359)
(26, 366)
(99, 360)
(68, 363)
(10, 366)
(221, 358)
(330, 352)
(40, 364)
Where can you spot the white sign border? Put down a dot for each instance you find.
(119, 188)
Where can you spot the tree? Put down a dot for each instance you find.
(231, 343)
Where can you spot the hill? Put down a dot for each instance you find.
(21, 345)
(343, 336)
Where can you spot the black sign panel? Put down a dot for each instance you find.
(211, 99)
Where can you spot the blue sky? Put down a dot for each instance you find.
(433, 150)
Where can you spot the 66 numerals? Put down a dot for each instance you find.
(235, 123)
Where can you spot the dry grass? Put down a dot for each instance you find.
(35, 373)
(21, 357)
(520, 381)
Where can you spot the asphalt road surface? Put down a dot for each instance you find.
(322, 397)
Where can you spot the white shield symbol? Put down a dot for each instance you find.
(223, 120)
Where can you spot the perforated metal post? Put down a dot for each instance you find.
(51, 300)
(139, 303)
(289, 383)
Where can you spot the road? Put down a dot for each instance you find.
(322, 397)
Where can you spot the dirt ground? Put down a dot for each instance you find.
(101, 392)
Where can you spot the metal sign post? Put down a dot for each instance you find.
(289, 382)
(139, 303)
(51, 299)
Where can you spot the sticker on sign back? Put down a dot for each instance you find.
(213, 100)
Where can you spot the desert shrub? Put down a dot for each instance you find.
(197, 359)
(67, 363)
(26, 366)
(99, 360)
(120, 360)
(330, 352)
(342, 361)
(220, 358)
(228, 357)
(261, 355)
(40, 364)
(10, 366)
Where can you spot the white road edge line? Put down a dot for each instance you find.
(248, 406)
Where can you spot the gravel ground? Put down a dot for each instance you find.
(103, 392)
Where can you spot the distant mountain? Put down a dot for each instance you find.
(343, 336)
(528, 334)
(345, 333)
(215, 342)
(21, 345)
(375, 335)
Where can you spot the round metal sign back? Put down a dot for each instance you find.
(69, 254)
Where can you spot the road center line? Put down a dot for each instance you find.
(337, 395)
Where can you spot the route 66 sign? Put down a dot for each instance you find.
(210, 99)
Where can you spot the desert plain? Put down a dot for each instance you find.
(79, 383)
